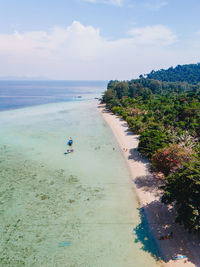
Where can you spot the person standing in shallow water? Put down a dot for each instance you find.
(70, 143)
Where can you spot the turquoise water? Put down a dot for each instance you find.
(66, 210)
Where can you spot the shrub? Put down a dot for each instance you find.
(170, 158)
(150, 141)
(117, 110)
(124, 115)
(135, 124)
(183, 190)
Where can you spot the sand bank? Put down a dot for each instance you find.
(160, 219)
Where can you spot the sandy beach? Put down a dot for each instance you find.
(160, 218)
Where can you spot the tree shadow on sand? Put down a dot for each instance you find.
(149, 184)
(135, 155)
(160, 223)
(145, 237)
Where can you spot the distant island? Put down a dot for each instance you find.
(163, 107)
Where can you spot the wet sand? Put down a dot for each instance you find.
(160, 218)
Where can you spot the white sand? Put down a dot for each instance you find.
(161, 220)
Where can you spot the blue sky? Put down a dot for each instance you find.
(96, 39)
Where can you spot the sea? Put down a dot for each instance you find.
(74, 210)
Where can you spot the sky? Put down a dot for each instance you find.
(96, 39)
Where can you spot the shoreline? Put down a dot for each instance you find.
(160, 218)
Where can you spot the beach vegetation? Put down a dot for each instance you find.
(110, 98)
(151, 140)
(182, 189)
(189, 73)
(169, 159)
(163, 107)
(117, 110)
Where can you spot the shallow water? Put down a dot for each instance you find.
(66, 210)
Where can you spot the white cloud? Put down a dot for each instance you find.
(156, 35)
(155, 4)
(80, 52)
(111, 2)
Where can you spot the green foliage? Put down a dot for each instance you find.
(122, 89)
(109, 95)
(110, 98)
(112, 84)
(183, 189)
(135, 124)
(164, 109)
(117, 110)
(150, 141)
(180, 110)
(189, 73)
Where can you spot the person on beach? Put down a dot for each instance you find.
(70, 143)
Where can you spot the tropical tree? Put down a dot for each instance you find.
(121, 89)
(183, 190)
(169, 159)
(151, 140)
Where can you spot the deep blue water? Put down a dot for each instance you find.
(19, 94)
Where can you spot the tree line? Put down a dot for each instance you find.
(166, 115)
(183, 73)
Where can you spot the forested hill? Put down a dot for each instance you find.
(182, 73)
